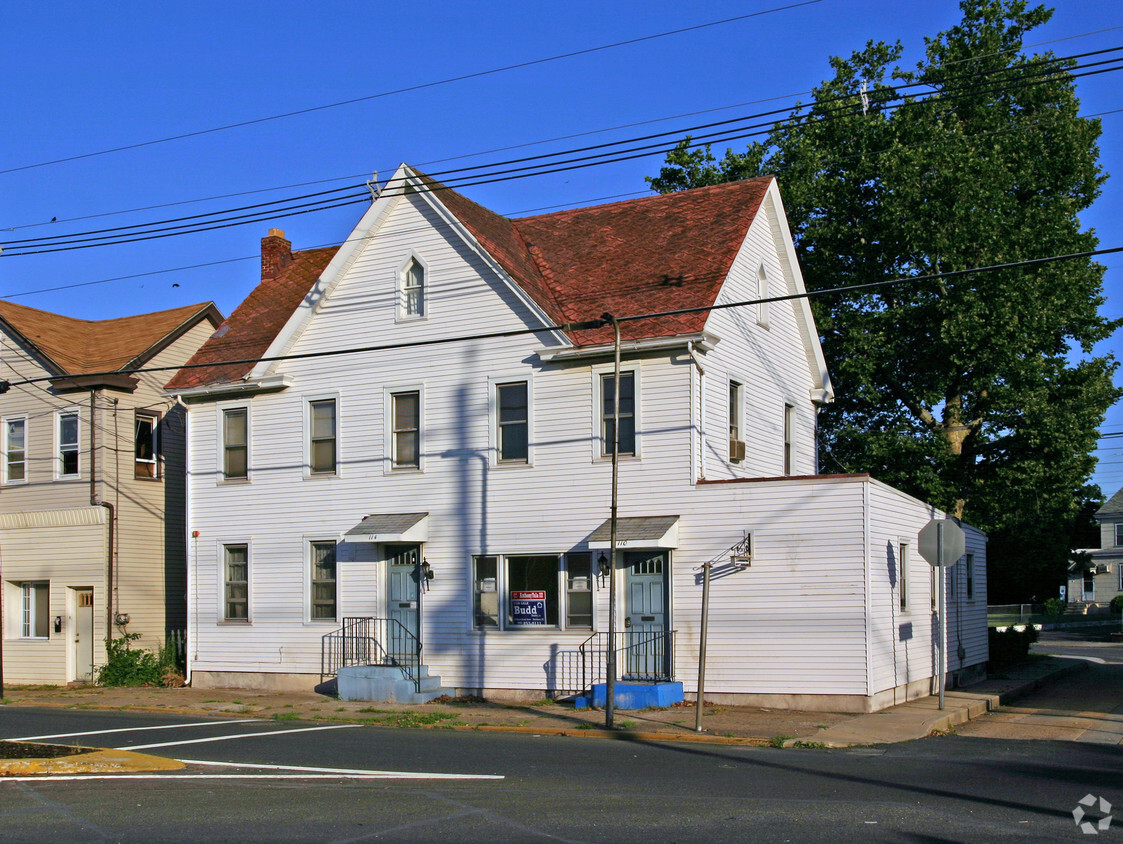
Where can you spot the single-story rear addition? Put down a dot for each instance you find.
(414, 486)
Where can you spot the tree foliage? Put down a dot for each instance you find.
(980, 392)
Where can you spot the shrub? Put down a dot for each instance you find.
(1054, 606)
(1117, 604)
(128, 666)
(1009, 647)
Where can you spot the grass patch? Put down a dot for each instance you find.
(627, 725)
(778, 741)
(285, 716)
(810, 745)
(415, 719)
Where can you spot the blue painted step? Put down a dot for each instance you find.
(633, 696)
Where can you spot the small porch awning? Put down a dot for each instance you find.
(637, 532)
(391, 527)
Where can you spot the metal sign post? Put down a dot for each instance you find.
(942, 542)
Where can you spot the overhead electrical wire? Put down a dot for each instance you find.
(525, 167)
(589, 323)
(420, 86)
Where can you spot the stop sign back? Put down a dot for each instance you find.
(941, 542)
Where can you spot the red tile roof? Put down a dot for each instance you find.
(79, 346)
(653, 254)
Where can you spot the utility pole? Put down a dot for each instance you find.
(610, 657)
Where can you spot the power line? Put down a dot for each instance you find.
(583, 325)
(461, 178)
(418, 87)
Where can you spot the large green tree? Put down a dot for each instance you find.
(978, 392)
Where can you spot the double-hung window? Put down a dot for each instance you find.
(789, 426)
(512, 422)
(146, 445)
(35, 610)
(903, 576)
(412, 287)
(236, 577)
(736, 434)
(15, 450)
(322, 445)
(1118, 534)
(324, 593)
(235, 443)
(405, 434)
(626, 414)
(66, 434)
(579, 591)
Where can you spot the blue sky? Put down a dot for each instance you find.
(83, 77)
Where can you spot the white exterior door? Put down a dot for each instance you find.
(404, 574)
(1089, 590)
(645, 622)
(84, 635)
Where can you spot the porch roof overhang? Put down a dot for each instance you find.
(391, 527)
(637, 532)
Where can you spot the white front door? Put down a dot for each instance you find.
(1089, 591)
(84, 635)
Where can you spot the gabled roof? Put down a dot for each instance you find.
(69, 346)
(1113, 508)
(247, 333)
(653, 254)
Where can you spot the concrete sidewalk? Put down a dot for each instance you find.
(721, 724)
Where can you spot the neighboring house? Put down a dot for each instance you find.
(1098, 576)
(92, 541)
(445, 486)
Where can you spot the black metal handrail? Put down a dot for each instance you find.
(371, 641)
(646, 656)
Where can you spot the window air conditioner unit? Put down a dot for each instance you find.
(736, 450)
(1101, 568)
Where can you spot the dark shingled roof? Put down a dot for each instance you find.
(653, 254)
(1113, 507)
(80, 346)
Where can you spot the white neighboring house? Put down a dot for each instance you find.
(1098, 577)
(469, 437)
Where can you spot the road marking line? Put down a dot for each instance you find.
(344, 771)
(238, 736)
(136, 729)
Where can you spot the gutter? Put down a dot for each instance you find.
(266, 384)
(702, 340)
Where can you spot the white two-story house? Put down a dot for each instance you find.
(418, 466)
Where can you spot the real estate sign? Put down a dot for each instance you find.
(528, 607)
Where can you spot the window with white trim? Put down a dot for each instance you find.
(322, 439)
(236, 582)
(147, 445)
(736, 434)
(789, 426)
(66, 436)
(1119, 534)
(324, 592)
(626, 415)
(235, 443)
(15, 450)
(512, 422)
(411, 303)
(405, 435)
(762, 293)
(903, 575)
(35, 610)
(532, 591)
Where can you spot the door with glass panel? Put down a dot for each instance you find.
(645, 620)
(84, 635)
(403, 571)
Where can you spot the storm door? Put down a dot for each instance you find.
(84, 635)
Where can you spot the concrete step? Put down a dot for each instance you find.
(388, 683)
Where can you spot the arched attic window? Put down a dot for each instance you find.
(411, 285)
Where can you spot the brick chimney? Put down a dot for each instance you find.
(276, 254)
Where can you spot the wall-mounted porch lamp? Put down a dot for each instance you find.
(426, 570)
(603, 568)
